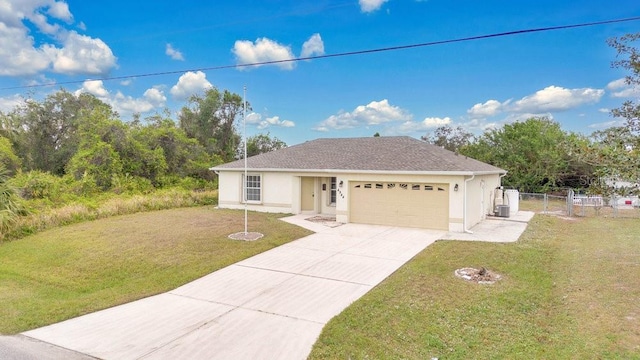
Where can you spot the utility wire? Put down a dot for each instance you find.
(350, 53)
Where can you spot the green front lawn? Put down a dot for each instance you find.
(570, 290)
(76, 269)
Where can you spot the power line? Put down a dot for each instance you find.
(350, 53)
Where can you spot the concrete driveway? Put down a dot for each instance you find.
(271, 306)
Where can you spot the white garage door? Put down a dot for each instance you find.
(420, 205)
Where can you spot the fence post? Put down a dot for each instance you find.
(545, 203)
(570, 195)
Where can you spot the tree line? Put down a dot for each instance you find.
(83, 138)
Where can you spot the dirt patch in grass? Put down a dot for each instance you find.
(76, 269)
(480, 276)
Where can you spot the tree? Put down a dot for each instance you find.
(262, 143)
(617, 152)
(625, 46)
(108, 149)
(184, 156)
(44, 133)
(97, 161)
(534, 152)
(449, 138)
(211, 120)
(612, 154)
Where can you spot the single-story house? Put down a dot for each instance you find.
(398, 181)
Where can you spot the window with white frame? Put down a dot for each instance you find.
(333, 189)
(253, 188)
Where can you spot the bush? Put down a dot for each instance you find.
(131, 185)
(187, 183)
(10, 202)
(8, 157)
(38, 185)
(99, 160)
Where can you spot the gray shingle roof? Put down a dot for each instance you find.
(384, 154)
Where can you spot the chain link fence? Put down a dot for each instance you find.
(580, 205)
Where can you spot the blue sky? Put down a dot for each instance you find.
(563, 74)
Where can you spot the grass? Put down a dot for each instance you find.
(44, 217)
(570, 291)
(76, 269)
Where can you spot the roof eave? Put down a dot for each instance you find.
(351, 171)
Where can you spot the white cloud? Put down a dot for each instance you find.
(541, 103)
(275, 121)
(8, 103)
(95, 87)
(374, 113)
(428, 123)
(173, 53)
(152, 98)
(42, 23)
(60, 10)
(155, 97)
(263, 50)
(368, 6)
(62, 50)
(620, 89)
(617, 84)
(190, 83)
(604, 110)
(432, 122)
(488, 109)
(607, 124)
(256, 119)
(17, 53)
(253, 118)
(313, 47)
(554, 98)
(81, 55)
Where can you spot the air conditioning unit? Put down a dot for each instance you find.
(502, 211)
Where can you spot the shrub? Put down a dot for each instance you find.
(10, 202)
(37, 185)
(8, 157)
(126, 184)
(99, 160)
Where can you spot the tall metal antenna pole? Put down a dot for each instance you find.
(244, 135)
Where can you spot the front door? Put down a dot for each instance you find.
(308, 194)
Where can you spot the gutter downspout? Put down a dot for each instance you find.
(464, 215)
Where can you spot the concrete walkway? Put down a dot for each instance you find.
(271, 306)
(495, 229)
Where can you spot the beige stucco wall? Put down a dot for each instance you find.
(278, 192)
(480, 200)
(281, 193)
